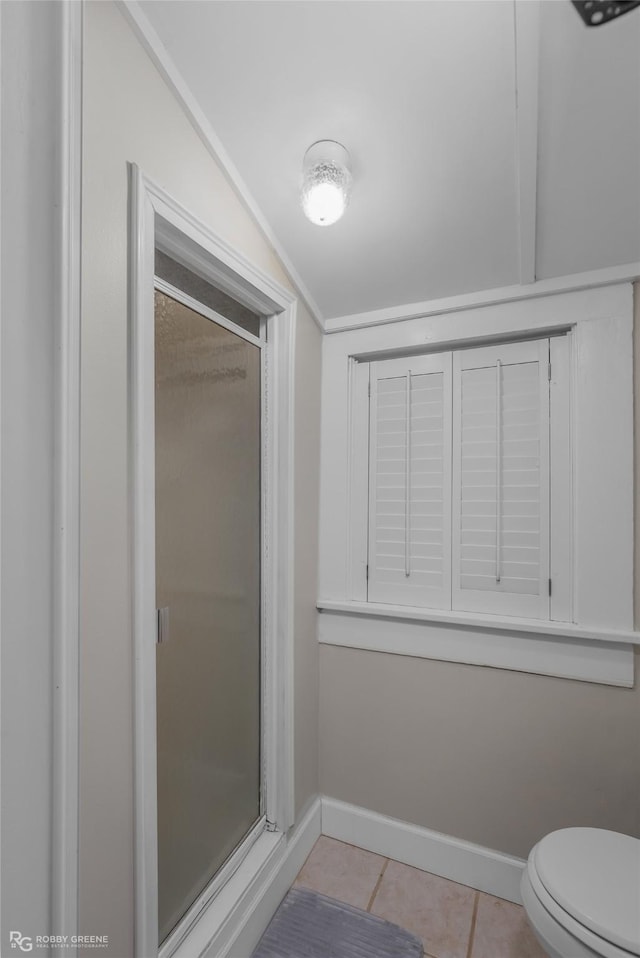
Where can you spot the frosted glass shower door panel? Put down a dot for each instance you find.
(208, 546)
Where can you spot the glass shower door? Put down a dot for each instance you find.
(208, 546)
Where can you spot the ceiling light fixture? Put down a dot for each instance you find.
(326, 182)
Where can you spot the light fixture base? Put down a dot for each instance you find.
(326, 151)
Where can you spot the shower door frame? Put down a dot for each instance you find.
(158, 220)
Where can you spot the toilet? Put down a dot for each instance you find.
(581, 893)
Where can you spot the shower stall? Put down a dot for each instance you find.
(211, 388)
(208, 462)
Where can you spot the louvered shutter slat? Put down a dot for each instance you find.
(409, 538)
(501, 480)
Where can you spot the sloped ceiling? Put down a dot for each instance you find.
(452, 184)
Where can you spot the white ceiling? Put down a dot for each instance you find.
(423, 95)
(588, 206)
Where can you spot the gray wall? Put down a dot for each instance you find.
(495, 757)
(131, 115)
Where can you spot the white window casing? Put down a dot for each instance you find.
(562, 503)
(561, 489)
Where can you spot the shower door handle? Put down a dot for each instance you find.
(162, 632)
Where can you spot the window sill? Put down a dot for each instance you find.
(561, 649)
(475, 621)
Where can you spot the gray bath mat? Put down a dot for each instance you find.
(308, 925)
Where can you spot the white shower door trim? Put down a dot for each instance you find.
(162, 286)
(157, 220)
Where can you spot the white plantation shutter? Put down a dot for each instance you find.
(500, 536)
(410, 482)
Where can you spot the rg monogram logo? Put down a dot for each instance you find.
(20, 941)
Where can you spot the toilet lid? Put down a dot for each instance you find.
(594, 875)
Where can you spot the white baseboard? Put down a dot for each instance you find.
(460, 861)
(233, 925)
(255, 908)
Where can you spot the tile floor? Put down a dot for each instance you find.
(452, 920)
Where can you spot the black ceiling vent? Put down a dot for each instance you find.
(596, 12)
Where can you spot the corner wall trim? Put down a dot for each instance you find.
(527, 60)
(460, 861)
(66, 624)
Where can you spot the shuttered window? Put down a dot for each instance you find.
(410, 481)
(500, 533)
(459, 480)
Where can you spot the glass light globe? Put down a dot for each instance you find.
(326, 182)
